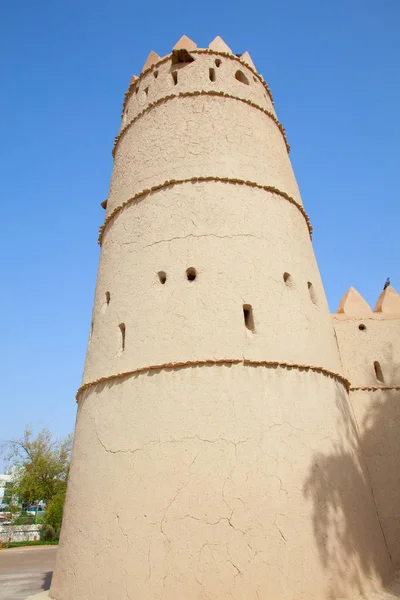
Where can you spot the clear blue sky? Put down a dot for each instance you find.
(333, 67)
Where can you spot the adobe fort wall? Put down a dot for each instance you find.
(369, 344)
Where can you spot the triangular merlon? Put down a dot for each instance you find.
(185, 43)
(388, 302)
(152, 59)
(219, 45)
(353, 305)
(247, 59)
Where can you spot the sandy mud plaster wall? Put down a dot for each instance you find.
(214, 486)
(370, 352)
(223, 231)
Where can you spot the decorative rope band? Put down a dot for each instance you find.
(197, 51)
(374, 388)
(196, 363)
(199, 93)
(171, 182)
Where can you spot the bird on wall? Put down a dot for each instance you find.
(387, 283)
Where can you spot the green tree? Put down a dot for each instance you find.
(54, 513)
(38, 466)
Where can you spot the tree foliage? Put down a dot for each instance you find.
(39, 466)
(47, 533)
(54, 513)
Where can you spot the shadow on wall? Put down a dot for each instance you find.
(378, 417)
(352, 545)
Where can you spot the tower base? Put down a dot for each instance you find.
(229, 481)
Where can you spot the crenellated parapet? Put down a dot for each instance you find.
(354, 306)
(189, 69)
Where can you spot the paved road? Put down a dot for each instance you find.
(25, 571)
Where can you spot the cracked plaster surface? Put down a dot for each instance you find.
(209, 93)
(378, 419)
(200, 136)
(240, 241)
(376, 406)
(206, 490)
(378, 341)
(148, 193)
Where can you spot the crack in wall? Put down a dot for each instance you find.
(280, 532)
(173, 441)
(206, 235)
(128, 451)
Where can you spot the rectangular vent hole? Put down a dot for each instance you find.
(122, 330)
(248, 317)
(378, 372)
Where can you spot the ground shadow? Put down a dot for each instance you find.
(46, 583)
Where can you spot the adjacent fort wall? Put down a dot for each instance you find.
(370, 352)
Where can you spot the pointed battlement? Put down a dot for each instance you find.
(353, 305)
(152, 59)
(388, 302)
(185, 43)
(204, 61)
(192, 71)
(247, 59)
(219, 45)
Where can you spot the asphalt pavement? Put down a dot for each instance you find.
(26, 571)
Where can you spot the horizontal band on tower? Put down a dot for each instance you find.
(196, 51)
(171, 182)
(224, 361)
(374, 388)
(213, 93)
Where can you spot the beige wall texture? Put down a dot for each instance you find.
(369, 345)
(215, 455)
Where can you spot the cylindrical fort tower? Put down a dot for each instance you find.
(215, 451)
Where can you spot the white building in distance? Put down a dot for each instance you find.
(4, 480)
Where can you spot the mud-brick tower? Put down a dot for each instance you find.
(212, 384)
